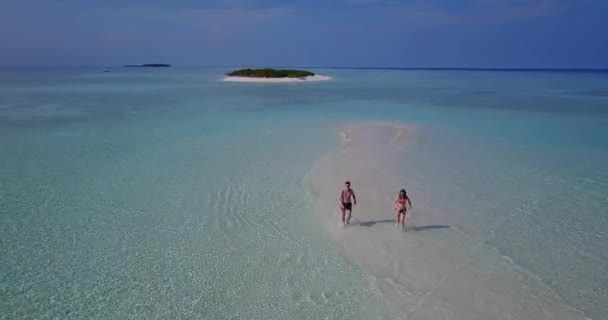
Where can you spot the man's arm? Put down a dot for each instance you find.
(354, 197)
(410, 201)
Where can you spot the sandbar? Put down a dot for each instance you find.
(438, 268)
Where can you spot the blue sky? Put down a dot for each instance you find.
(342, 33)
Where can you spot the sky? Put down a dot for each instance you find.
(313, 33)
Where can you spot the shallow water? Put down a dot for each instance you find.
(143, 194)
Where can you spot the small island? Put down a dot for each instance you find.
(270, 73)
(148, 65)
(273, 75)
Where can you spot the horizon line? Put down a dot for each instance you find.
(330, 67)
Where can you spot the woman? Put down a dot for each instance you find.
(400, 207)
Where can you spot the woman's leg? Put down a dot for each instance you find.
(397, 216)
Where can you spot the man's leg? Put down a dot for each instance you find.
(349, 214)
(342, 210)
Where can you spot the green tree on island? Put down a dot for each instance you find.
(270, 73)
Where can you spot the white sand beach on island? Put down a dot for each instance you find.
(276, 80)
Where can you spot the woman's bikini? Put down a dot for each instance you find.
(402, 201)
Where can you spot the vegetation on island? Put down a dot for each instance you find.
(270, 73)
(148, 65)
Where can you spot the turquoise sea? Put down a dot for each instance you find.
(168, 194)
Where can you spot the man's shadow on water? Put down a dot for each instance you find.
(409, 228)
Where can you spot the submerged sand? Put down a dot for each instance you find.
(434, 270)
(277, 80)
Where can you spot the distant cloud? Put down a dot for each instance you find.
(532, 9)
(503, 2)
(239, 16)
(211, 24)
(363, 1)
(237, 3)
(513, 2)
(487, 12)
(223, 22)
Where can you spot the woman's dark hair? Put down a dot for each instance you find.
(403, 191)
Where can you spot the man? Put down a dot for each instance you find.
(345, 202)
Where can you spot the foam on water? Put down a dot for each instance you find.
(433, 270)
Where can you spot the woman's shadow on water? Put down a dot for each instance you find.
(409, 228)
